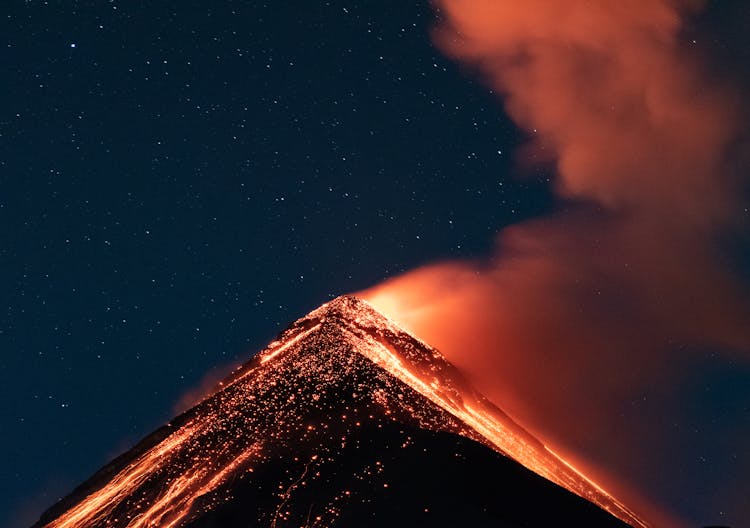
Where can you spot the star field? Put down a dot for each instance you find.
(180, 182)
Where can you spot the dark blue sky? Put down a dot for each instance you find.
(179, 182)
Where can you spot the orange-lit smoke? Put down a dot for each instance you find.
(583, 312)
(211, 382)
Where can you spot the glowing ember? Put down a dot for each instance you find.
(342, 356)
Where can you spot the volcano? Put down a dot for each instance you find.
(344, 420)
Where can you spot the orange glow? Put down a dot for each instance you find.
(498, 328)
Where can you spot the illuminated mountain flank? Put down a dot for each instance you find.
(344, 420)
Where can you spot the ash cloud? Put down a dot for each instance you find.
(586, 323)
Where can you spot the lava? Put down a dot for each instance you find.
(497, 429)
(344, 355)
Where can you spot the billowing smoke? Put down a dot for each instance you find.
(585, 321)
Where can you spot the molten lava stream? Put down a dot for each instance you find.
(502, 433)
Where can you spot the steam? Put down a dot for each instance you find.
(582, 313)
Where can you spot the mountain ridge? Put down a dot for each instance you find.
(342, 358)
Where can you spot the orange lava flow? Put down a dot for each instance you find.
(275, 348)
(169, 511)
(99, 504)
(174, 503)
(501, 432)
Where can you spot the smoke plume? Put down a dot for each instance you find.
(584, 322)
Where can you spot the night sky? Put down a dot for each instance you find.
(179, 182)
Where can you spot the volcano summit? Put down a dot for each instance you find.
(344, 420)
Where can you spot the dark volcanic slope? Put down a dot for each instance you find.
(344, 420)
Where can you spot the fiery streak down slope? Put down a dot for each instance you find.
(342, 366)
